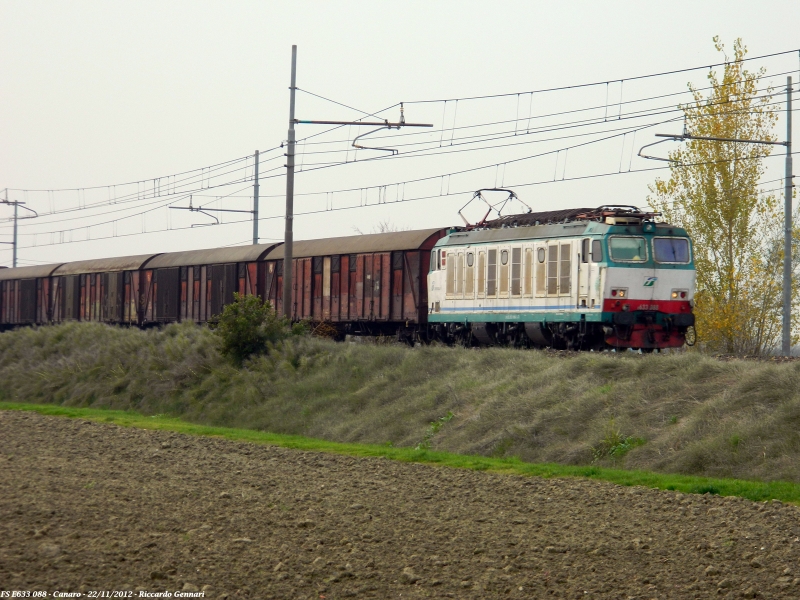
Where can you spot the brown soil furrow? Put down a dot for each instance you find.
(89, 506)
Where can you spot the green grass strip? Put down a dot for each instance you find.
(753, 490)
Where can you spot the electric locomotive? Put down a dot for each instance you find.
(610, 277)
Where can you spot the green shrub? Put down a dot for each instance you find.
(248, 325)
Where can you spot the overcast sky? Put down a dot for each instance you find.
(100, 94)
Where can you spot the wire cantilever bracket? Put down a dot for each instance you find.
(360, 147)
(199, 209)
(677, 138)
(35, 214)
(387, 125)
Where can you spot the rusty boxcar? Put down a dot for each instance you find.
(365, 284)
(104, 290)
(195, 285)
(25, 295)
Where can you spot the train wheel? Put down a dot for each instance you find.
(464, 339)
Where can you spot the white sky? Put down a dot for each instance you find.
(104, 93)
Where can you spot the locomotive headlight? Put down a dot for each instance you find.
(679, 294)
(674, 294)
(619, 292)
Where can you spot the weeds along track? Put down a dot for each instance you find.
(88, 506)
(675, 413)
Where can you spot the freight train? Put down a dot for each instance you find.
(610, 277)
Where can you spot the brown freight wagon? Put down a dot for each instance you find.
(25, 295)
(104, 290)
(364, 284)
(195, 285)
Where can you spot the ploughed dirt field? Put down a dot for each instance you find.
(87, 506)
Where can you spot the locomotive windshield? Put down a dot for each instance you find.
(628, 249)
(671, 250)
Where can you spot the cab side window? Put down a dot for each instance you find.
(597, 251)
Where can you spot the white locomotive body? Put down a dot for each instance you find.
(601, 278)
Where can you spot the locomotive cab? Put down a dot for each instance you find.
(649, 287)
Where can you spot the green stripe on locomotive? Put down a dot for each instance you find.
(549, 315)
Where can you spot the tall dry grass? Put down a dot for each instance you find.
(680, 413)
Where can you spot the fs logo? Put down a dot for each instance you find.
(650, 281)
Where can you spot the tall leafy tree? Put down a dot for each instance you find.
(713, 192)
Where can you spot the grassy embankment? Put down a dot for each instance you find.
(675, 414)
